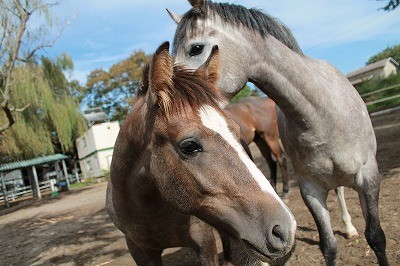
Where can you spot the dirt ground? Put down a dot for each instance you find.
(74, 228)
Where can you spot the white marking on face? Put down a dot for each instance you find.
(213, 120)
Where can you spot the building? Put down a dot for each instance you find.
(95, 148)
(31, 177)
(381, 69)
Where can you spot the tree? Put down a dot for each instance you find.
(114, 90)
(21, 36)
(52, 121)
(245, 92)
(393, 52)
(391, 5)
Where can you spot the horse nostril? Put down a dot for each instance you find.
(278, 233)
(278, 240)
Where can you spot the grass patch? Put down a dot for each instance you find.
(377, 84)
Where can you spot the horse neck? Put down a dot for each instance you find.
(295, 82)
(130, 173)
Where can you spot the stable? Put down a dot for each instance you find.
(13, 183)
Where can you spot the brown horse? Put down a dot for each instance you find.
(177, 162)
(258, 122)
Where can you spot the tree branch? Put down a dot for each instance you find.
(10, 119)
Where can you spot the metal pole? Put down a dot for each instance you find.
(3, 185)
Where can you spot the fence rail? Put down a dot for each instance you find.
(22, 191)
(385, 99)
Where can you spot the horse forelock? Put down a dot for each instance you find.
(190, 90)
(235, 15)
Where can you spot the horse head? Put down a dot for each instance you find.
(197, 163)
(238, 32)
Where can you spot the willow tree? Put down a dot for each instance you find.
(52, 121)
(25, 28)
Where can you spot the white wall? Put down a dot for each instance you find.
(95, 148)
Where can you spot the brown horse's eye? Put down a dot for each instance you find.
(190, 146)
(196, 49)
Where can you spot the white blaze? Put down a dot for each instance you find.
(214, 121)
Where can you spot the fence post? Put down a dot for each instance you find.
(3, 185)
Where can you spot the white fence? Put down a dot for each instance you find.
(17, 192)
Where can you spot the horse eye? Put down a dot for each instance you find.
(196, 49)
(190, 147)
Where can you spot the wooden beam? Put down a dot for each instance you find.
(35, 185)
(65, 171)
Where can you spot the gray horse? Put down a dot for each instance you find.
(325, 127)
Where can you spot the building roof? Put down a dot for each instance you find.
(32, 162)
(373, 66)
(96, 117)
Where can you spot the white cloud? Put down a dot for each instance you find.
(105, 32)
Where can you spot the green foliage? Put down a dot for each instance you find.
(376, 84)
(50, 123)
(393, 52)
(391, 5)
(114, 90)
(245, 92)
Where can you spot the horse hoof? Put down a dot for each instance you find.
(352, 234)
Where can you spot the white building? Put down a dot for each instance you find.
(95, 148)
(382, 69)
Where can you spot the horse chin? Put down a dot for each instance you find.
(270, 258)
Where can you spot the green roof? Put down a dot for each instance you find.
(27, 163)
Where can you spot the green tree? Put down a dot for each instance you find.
(25, 27)
(393, 52)
(114, 90)
(51, 122)
(245, 92)
(390, 5)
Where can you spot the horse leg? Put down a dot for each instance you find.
(368, 191)
(144, 257)
(351, 231)
(202, 236)
(227, 249)
(246, 149)
(315, 197)
(282, 161)
(266, 153)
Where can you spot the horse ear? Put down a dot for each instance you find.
(175, 17)
(199, 4)
(210, 68)
(160, 77)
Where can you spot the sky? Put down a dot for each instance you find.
(99, 33)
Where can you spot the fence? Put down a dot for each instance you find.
(375, 101)
(18, 192)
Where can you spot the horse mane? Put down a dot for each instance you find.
(189, 89)
(237, 15)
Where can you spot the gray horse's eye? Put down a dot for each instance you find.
(196, 49)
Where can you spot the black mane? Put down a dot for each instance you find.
(238, 15)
